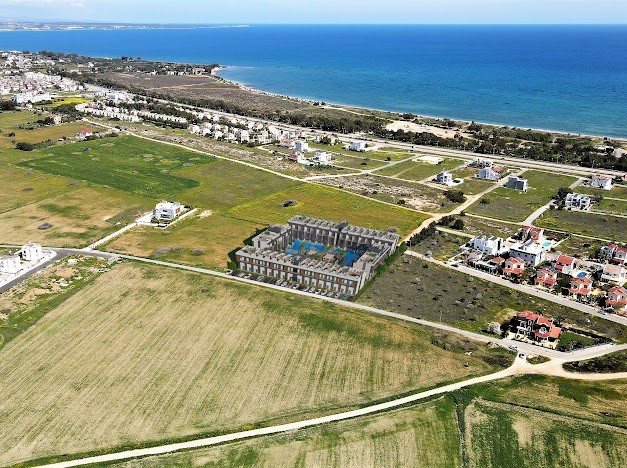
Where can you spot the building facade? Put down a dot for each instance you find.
(328, 255)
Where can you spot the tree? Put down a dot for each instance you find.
(562, 192)
(456, 196)
(458, 225)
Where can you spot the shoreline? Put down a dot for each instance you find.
(249, 88)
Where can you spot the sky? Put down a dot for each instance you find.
(321, 11)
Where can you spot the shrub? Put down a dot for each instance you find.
(456, 196)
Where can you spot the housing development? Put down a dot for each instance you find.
(199, 283)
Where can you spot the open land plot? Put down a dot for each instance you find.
(174, 354)
(419, 170)
(374, 154)
(472, 186)
(423, 435)
(23, 186)
(364, 162)
(441, 245)
(417, 196)
(328, 203)
(224, 184)
(618, 191)
(611, 206)
(202, 240)
(24, 304)
(77, 217)
(580, 247)
(499, 434)
(429, 433)
(488, 227)
(50, 132)
(512, 205)
(586, 224)
(422, 289)
(133, 165)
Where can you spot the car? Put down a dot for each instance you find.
(229, 272)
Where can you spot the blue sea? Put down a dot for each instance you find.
(568, 78)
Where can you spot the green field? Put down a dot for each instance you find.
(587, 224)
(324, 202)
(618, 191)
(425, 290)
(511, 205)
(527, 421)
(612, 206)
(145, 354)
(419, 170)
(130, 164)
(488, 227)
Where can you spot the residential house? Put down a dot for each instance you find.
(531, 233)
(301, 145)
(529, 326)
(167, 211)
(546, 277)
(31, 252)
(614, 274)
(84, 133)
(601, 181)
(444, 178)
(488, 245)
(358, 146)
(577, 201)
(481, 163)
(617, 298)
(565, 264)
(614, 253)
(322, 157)
(517, 183)
(580, 287)
(489, 173)
(513, 267)
(530, 252)
(10, 264)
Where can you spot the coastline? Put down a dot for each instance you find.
(251, 89)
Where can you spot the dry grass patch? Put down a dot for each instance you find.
(424, 435)
(147, 353)
(76, 217)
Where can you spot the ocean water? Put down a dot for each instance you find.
(568, 78)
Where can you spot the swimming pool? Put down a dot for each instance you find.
(298, 247)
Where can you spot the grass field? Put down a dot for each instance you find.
(580, 247)
(442, 245)
(200, 240)
(587, 224)
(525, 421)
(77, 217)
(171, 354)
(324, 202)
(130, 164)
(618, 191)
(488, 227)
(419, 170)
(224, 184)
(511, 205)
(423, 435)
(612, 206)
(357, 162)
(420, 289)
(23, 186)
(51, 132)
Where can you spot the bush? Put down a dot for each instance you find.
(458, 225)
(456, 196)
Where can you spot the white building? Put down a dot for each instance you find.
(488, 245)
(614, 274)
(517, 183)
(31, 252)
(322, 157)
(488, 173)
(444, 178)
(530, 252)
(167, 211)
(23, 98)
(301, 145)
(10, 264)
(601, 181)
(358, 146)
(577, 201)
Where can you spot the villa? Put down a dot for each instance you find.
(488, 245)
(614, 274)
(10, 264)
(301, 146)
(323, 254)
(546, 278)
(167, 211)
(614, 253)
(601, 181)
(517, 183)
(31, 252)
(530, 252)
(444, 178)
(322, 157)
(513, 267)
(580, 287)
(489, 173)
(358, 146)
(565, 264)
(617, 298)
(533, 233)
(535, 328)
(577, 201)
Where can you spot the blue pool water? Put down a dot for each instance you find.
(570, 78)
(300, 246)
